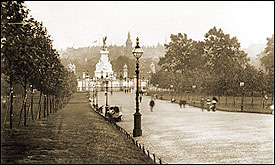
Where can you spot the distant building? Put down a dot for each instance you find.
(104, 74)
(128, 48)
(125, 71)
(72, 67)
(83, 83)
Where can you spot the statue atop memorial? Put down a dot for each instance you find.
(104, 43)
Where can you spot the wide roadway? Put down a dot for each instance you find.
(190, 135)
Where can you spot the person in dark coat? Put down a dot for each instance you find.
(152, 104)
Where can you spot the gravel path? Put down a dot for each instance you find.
(192, 136)
(75, 134)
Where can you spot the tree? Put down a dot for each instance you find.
(27, 57)
(225, 60)
(119, 63)
(183, 59)
(178, 55)
(13, 15)
(267, 61)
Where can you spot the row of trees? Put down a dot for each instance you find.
(28, 57)
(214, 66)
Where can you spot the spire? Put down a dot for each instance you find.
(129, 42)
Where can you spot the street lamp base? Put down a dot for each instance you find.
(137, 125)
(137, 132)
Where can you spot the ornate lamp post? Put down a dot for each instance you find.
(96, 96)
(93, 93)
(106, 94)
(193, 87)
(171, 88)
(242, 86)
(137, 52)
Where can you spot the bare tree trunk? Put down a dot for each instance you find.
(252, 99)
(39, 105)
(11, 101)
(44, 105)
(32, 102)
(54, 102)
(47, 105)
(263, 98)
(22, 109)
(25, 101)
(234, 105)
(50, 104)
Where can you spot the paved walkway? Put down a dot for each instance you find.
(190, 135)
(75, 134)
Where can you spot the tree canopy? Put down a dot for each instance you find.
(27, 54)
(215, 66)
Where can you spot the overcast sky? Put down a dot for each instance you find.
(79, 24)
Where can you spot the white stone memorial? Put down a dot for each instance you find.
(104, 67)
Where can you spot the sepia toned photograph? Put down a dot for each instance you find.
(137, 82)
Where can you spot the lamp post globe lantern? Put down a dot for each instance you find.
(193, 92)
(137, 52)
(242, 86)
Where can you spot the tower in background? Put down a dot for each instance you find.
(128, 48)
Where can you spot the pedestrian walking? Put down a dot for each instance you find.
(214, 98)
(208, 102)
(152, 104)
(202, 103)
(214, 102)
(140, 98)
(182, 103)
